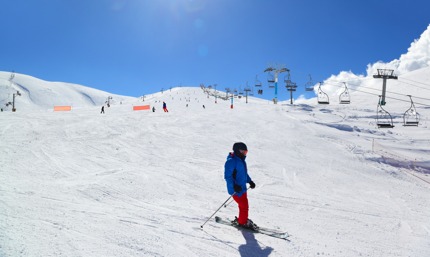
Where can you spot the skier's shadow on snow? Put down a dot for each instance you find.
(251, 248)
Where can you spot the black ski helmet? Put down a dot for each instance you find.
(239, 146)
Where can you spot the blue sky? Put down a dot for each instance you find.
(135, 47)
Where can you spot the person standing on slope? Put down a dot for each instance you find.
(165, 107)
(236, 176)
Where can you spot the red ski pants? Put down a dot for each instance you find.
(242, 202)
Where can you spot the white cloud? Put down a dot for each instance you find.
(417, 57)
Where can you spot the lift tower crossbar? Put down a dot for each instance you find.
(275, 72)
(384, 74)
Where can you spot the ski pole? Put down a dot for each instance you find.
(227, 204)
(218, 209)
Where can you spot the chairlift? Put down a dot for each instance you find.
(344, 97)
(411, 117)
(271, 84)
(257, 82)
(270, 78)
(383, 118)
(322, 97)
(309, 86)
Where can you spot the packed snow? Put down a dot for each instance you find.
(141, 183)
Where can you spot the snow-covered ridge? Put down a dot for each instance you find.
(37, 94)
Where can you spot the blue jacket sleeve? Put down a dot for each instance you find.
(248, 179)
(228, 175)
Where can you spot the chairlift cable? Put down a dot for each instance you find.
(391, 92)
(414, 85)
(415, 81)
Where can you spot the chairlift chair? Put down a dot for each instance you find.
(322, 97)
(270, 78)
(411, 117)
(287, 79)
(344, 97)
(309, 86)
(383, 118)
(257, 82)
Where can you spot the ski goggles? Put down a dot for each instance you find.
(244, 152)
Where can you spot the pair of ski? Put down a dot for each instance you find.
(266, 231)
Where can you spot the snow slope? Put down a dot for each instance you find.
(140, 183)
(37, 94)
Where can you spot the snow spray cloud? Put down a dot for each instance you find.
(417, 57)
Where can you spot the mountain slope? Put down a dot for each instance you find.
(141, 183)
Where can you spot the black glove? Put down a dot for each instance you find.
(252, 184)
(237, 188)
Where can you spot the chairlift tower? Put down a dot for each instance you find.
(247, 89)
(13, 101)
(216, 94)
(384, 74)
(108, 101)
(227, 90)
(274, 72)
(291, 86)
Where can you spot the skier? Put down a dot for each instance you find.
(153, 109)
(165, 107)
(103, 109)
(236, 176)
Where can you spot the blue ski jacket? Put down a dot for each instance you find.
(236, 173)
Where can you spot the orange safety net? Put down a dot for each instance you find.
(141, 107)
(62, 108)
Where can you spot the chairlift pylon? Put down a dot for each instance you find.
(383, 118)
(309, 86)
(411, 117)
(322, 97)
(344, 97)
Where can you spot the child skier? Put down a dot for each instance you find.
(236, 176)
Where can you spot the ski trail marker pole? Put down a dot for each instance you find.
(218, 209)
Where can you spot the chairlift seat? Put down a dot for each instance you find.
(411, 123)
(385, 125)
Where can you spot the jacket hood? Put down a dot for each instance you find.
(232, 155)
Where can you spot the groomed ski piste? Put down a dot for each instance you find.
(141, 183)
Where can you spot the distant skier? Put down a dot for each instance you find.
(165, 107)
(103, 109)
(204, 107)
(236, 176)
(153, 109)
